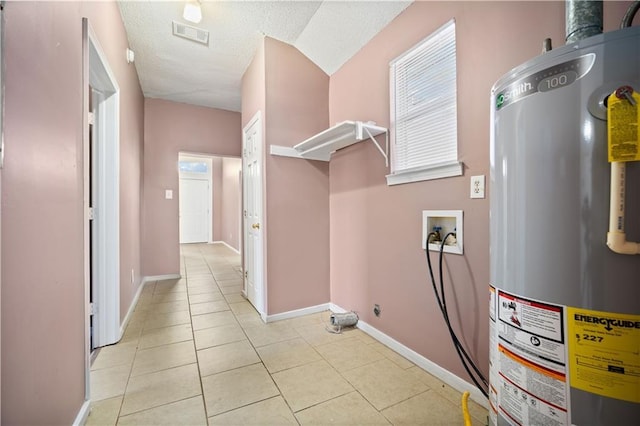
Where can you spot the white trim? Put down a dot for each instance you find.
(336, 309)
(85, 208)
(160, 278)
(432, 137)
(106, 225)
(287, 151)
(185, 156)
(428, 173)
(83, 414)
(298, 312)
(226, 244)
(132, 307)
(261, 272)
(429, 366)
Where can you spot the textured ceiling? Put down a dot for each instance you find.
(327, 32)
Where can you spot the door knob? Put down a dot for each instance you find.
(256, 226)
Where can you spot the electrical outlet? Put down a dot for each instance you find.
(376, 310)
(477, 187)
(133, 276)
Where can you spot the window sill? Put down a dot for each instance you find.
(426, 173)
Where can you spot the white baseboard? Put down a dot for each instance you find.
(336, 309)
(83, 414)
(134, 302)
(132, 307)
(429, 366)
(298, 312)
(235, 250)
(161, 278)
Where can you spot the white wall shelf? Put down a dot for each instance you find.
(321, 146)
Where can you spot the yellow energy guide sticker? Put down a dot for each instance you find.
(623, 115)
(604, 353)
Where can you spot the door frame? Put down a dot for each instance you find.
(260, 274)
(209, 160)
(105, 267)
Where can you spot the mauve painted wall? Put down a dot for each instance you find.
(230, 206)
(376, 229)
(43, 379)
(253, 88)
(170, 128)
(297, 191)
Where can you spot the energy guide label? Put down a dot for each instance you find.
(532, 382)
(604, 350)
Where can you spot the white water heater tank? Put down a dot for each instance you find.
(565, 309)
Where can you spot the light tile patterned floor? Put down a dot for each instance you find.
(195, 352)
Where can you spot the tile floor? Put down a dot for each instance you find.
(195, 352)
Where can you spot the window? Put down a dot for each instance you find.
(424, 126)
(193, 166)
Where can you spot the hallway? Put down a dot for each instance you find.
(195, 352)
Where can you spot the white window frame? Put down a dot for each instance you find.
(430, 167)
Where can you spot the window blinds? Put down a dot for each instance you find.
(424, 113)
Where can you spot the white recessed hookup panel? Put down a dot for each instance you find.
(443, 222)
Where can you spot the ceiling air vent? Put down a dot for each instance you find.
(192, 33)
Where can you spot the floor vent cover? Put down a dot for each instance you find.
(191, 33)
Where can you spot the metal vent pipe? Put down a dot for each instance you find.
(583, 19)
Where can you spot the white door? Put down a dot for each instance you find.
(194, 210)
(101, 194)
(253, 225)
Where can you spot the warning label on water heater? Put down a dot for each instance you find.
(531, 383)
(623, 116)
(604, 349)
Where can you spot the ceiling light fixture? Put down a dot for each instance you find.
(192, 11)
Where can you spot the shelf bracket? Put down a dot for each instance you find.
(385, 153)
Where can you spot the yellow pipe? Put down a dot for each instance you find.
(465, 409)
(616, 238)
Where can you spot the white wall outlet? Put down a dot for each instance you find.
(168, 194)
(444, 221)
(477, 186)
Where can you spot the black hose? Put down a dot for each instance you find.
(462, 354)
(457, 345)
(444, 303)
(627, 20)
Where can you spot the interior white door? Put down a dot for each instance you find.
(194, 210)
(253, 226)
(101, 146)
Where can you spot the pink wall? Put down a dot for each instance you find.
(297, 191)
(376, 229)
(292, 95)
(43, 379)
(253, 88)
(230, 203)
(171, 127)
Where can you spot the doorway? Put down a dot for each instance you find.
(195, 193)
(253, 225)
(101, 157)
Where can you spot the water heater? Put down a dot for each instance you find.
(564, 307)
